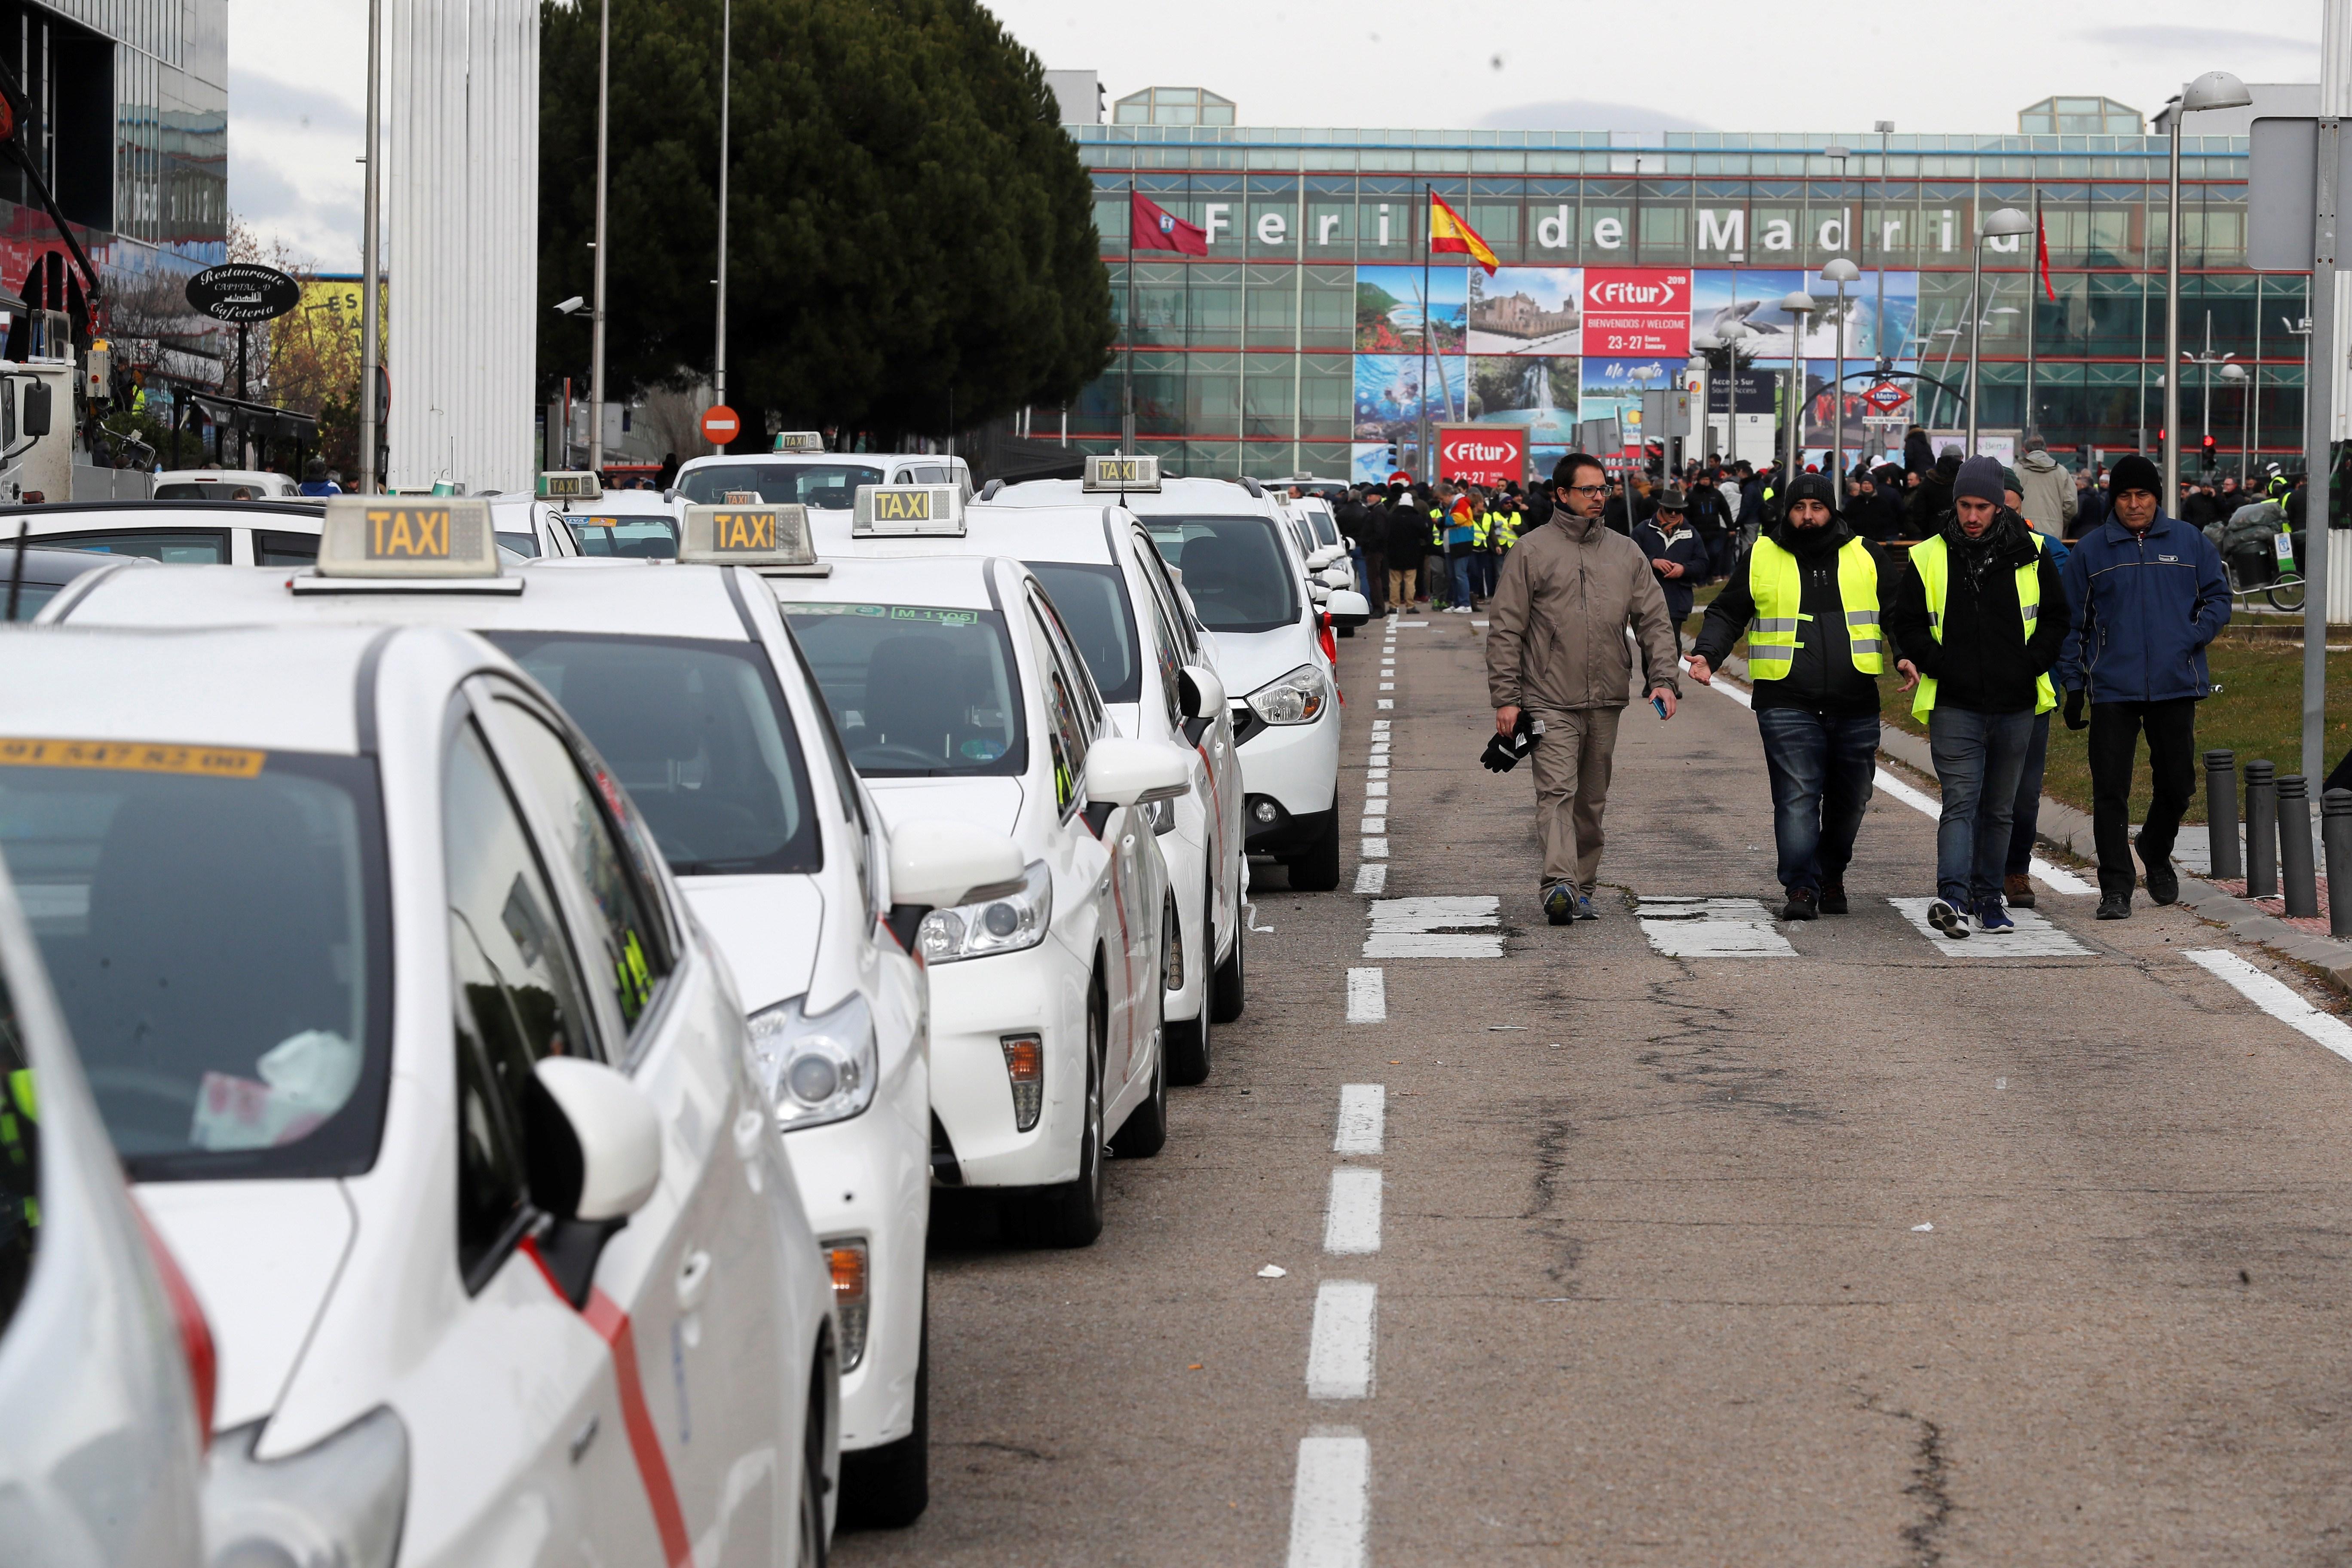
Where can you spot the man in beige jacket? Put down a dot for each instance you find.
(2047, 487)
(1556, 648)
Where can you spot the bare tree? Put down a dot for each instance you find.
(673, 414)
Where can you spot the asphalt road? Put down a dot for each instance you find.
(1654, 1279)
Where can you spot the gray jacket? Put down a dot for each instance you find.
(1556, 638)
(2049, 504)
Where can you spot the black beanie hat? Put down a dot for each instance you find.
(2134, 473)
(1814, 487)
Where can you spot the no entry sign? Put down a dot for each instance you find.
(720, 424)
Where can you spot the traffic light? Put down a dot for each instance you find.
(2207, 457)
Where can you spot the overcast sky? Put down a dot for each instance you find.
(297, 70)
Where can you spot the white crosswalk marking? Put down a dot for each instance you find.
(1712, 928)
(1435, 928)
(2034, 937)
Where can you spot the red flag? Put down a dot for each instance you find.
(2041, 249)
(1154, 228)
(1448, 233)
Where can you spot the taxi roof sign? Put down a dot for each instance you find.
(570, 484)
(887, 511)
(799, 441)
(403, 542)
(1121, 474)
(770, 537)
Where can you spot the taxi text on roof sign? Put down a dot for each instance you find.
(768, 536)
(570, 486)
(133, 756)
(799, 441)
(1121, 474)
(408, 536)
(908, 509)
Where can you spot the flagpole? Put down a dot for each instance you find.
(1127, 375)
(1429, 469)
(2032, 312)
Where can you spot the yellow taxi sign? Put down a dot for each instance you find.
(1121, 474)
(799, 441)
(569, 485)
(908, 509)
(408, 536)
(747, 536)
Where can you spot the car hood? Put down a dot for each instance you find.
(1248, 660)
(767, 927)
(990, 802)
(262, 1258)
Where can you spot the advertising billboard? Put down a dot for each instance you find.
(1481, 454)
(1638, 311)
(1390, 309)
(1527, 310)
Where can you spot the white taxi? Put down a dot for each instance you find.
(277, 532)
(960, 694)
(800, 472)
(1233, 546)
(1147, 655)
(424, 1072)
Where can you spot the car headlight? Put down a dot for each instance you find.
(1299, 698)
(337, 1504)
(1006, 923)
(818, 1068)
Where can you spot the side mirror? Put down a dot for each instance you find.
(1349, 608)
(595, 1142)
(1200, 690)
(1338, 578)
(35, 419)
(1318, 592)
(1129, 772)
(936, 864)
(1323, 557)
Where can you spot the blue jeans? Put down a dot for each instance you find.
(2026, 815)
(1822, 768)
(1978, 758)
(1463, 567)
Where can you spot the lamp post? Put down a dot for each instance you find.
(1801, 307)
(1841, 272)
(2205, 363)
(2000, 224)
(2214, 89)
(596, 304)
(370, 274)
(1644, 375)
(2236, 373)
(726, 80)
(1885, 128)
(1726, 342)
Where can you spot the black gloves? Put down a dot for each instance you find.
(2074, 720)
(1502, 753)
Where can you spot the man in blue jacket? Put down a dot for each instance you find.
(2146, 594)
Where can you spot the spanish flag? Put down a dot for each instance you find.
(1448, 233)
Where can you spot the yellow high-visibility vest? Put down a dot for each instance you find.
(1933, 561)
(1777, 586)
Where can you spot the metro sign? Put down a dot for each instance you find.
(1886, 397)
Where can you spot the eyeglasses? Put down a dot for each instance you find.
(1586, 490)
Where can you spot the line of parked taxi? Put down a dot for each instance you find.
(532, 994)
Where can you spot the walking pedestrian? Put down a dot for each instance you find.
(2147, 594)
(1556, 648)
(1979, 650)
(2047, 487)
(1461, 529)
(1677, 555)
(1807, 594)
(1433, 585)
(1404, 531)
(2090, 507)
(2025, 810)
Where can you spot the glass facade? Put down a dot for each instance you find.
(1295, 343)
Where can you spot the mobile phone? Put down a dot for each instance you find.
(1660, 704)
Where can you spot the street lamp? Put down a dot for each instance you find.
(2234, 374)
(2205, 363)
(1841, 272)
(596, 289)
(1645, 374)
(2001, 224)
(1885, 128)
(2214, 89)
(1706, 345)
(1801, 307)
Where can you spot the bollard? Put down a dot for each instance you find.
(2336, 836)
(2261, 830)
(2296, 871)
(2222, 814)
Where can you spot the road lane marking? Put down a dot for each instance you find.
(1383, 701)
(1376, 783)
(2058, 879)
(1376, 849)
(1368, 996)
(2275, 997)
(1435, 928)
(1364, 1117)
(2034, 937)
(1388, 686)
(1331, 1500)
(1712, 928)
(1351, 1220)
(1371, 879)
(1339, 1347)
(1374, 825)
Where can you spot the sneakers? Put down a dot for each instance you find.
(1947, 920)
(1803, 904)
(2163, 881)
(1584, 910)
(2017, 892)
(1560, 903)
(1990, 916)
(2115, 906)
(1833, 899)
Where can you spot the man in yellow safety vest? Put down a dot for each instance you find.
(1979, 648)
(1806, 593)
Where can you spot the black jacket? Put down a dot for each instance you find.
(1821, 679)
(1685, 549)
(1985, 664)
(1404, 525)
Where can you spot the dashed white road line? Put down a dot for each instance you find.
(1331, 1500)
(1364, 1117)
(1368, 996)
(2034, 937)
(1383, 701)
(1374, 823)
(1435, 928)
(2275, 997)
(1376, 849)
(1712, 928)
(1351, 1220)
(1371, 879)
(1339, 1347)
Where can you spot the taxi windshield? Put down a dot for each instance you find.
(829, 487)
(699, 736)
(1093, 602)
(216, 926)
(644, 536)
(1233, 568)
(916, 691)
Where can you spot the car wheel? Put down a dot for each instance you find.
(1317, 869)
(1071, 1214)
(814, 1540)
(888, 1487)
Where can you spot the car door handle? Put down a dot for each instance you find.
(693, 1281)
